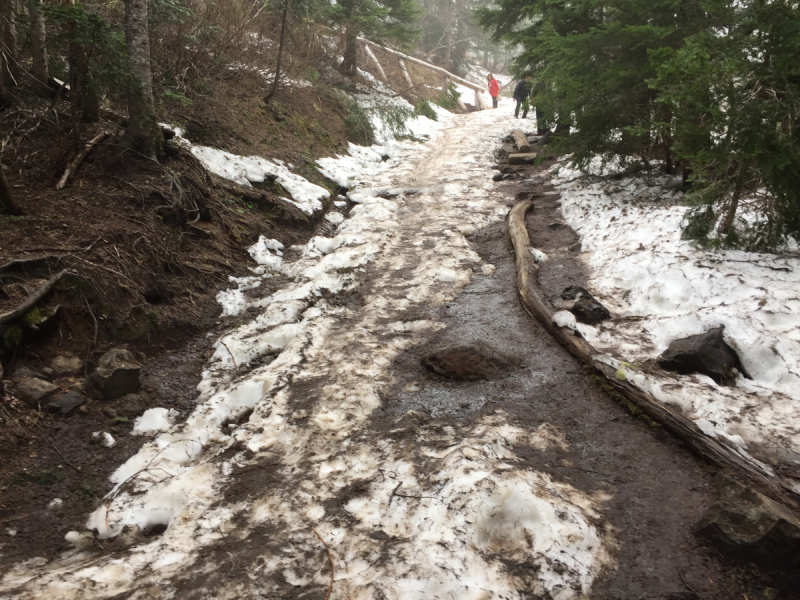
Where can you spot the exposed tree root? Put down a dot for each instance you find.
(31, 300)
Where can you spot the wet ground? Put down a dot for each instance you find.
(362, 472)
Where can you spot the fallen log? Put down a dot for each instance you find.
(76, 162)
(521, 141)
(33, 299)
(537, 305)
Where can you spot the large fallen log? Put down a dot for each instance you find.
(522, 158)
(537, 305)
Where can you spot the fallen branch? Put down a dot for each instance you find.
(330, 558)
(539, 307)
(73, 166)
(31, 300)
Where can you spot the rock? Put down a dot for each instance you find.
(388, 194)
(576, 292)
(66, 404)
(467, 362)
(23, 372)
(555, 225)
(706, 353)
(576, 247)
(590, 311)
(117, 374)
(751, 526)
(32, 390)
(522, 158)
(66, 365)
(500, 176)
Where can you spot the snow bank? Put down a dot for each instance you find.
(661, 288)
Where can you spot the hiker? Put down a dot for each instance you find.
(522, 95)
(494, 89)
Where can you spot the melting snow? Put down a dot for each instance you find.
(456, 502)
(663, 288)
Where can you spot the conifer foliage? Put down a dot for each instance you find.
(710, 86)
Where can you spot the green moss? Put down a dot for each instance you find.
(12, 336)
(35, 316)
(634, 410)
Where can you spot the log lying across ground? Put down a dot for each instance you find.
(535, 302)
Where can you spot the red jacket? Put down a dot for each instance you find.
(494, 88)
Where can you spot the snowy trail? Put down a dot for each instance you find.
(431, 511)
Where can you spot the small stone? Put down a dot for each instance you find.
(66, 404)
(554, 225)
(66, 365)
(23, 372)
(590, 311)
(117, 374)
(31, 390)
(707, 353)
(48, 372)
(55, 504)
(576, 247)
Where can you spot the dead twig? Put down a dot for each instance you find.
(330, 558)
(66, 462)
(89, 308)
(73, 166)
(235, 366)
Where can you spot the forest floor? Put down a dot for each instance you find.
(357, 466)
(146, 277)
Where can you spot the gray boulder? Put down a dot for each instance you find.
(749, 525)
(66, 365)
(117, 374)
(32, 390)
(706, 353)
(66, 404)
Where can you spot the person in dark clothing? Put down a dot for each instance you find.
(521, 95)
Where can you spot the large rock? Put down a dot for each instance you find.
(66, 365)
(32, 390)
(584, 306)
(751, 526)
(706, 353)
(590, 311)
(66, 404)
(467, 362)
(117, 374)
(522, 158)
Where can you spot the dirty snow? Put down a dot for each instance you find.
(660, 288)
(293, 391)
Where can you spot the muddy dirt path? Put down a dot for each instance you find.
(323, 454)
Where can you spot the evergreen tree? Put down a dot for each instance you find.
(384, 21)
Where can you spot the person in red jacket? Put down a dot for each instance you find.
(494, 89)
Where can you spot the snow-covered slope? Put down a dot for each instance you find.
(660, 288)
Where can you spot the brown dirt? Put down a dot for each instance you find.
(145, 278)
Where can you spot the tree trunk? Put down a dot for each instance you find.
(280, 54)
(9, 38)
(38, 41)
(6, 198)
(726, 227)
(350, 62)
(142, 134)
